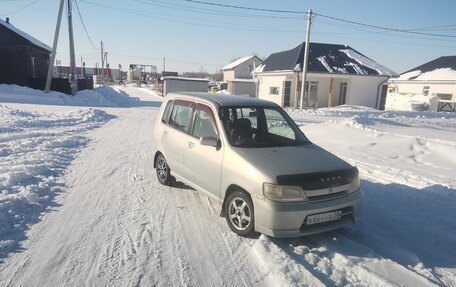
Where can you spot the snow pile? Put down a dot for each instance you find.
(442, 74)
(35, 150)
(410, 102)
(99, 97)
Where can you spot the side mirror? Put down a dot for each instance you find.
(209, 141)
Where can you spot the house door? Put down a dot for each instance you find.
(286, 93)
(311, 94)
(342, 93)
(383, 97)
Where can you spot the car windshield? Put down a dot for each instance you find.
(260, 127)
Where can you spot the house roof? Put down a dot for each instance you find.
(439, 63)
(26, 36)
(440, 69)
(325, 58)
(237, 62)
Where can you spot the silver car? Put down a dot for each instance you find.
(249, 155)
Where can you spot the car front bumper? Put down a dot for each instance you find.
(288, 219)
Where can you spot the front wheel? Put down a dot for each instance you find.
(239, 213)
(163, 171)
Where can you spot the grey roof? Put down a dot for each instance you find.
(227, 100)
(439, 63)
(26, 36)
(325, 58)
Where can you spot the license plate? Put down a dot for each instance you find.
(324, 217)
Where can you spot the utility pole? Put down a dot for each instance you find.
(102, 63)
(164, 66)
(74, 82)
(306, 60)
(54, 48)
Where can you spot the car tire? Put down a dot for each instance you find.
(239, 213)
(162, 170)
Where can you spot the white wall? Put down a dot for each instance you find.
(228, 75)
(417, 87)
(363, 91)
(175, 85)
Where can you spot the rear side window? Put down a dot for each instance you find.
(167, 112)
(180, 116)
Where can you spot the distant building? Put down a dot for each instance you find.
(241, 68)
(24, 60)
(242, 87)
(179, 84)
(336, 75)
(432, 84)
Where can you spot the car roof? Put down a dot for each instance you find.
(224, 100)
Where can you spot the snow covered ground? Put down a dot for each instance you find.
(80, 204)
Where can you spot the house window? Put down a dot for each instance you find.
(426, 90)
(273, 90)
(33, 67)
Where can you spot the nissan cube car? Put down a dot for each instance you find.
(249, 155)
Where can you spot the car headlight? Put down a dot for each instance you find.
(355, 184)
(283, 193)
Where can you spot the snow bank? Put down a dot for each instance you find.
(410, 102)
(35, 150)
(99, 97)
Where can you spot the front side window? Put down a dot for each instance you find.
(180, 116)
(166, 112)
(204, 123)
(260, 127)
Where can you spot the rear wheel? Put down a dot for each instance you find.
(163, 171)
(239, 213)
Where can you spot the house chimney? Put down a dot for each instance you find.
(7, 20)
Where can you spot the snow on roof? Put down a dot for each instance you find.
(443, 74)
(25, 36)
(322, 59)
(363, 60)
(237, 62)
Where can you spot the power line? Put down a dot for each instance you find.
(384, 28)
(83, 25)
(212, 11)
(246, 8)
(20, 9)
(237, 28)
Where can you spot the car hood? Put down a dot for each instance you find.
(307, 158)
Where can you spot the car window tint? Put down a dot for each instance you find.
(180, 116)
(277, 125)
(166, 113)
(204, 124)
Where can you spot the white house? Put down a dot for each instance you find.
(336, 75)
(241, 68)
(432, 85)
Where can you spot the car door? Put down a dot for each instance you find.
(203, 164)
(175, 135)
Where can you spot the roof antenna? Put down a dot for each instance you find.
(7, 20)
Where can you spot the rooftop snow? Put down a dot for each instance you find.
(237, 62)
(365, 61)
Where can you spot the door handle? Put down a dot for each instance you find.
(190, 145)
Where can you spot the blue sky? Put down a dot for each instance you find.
(193, 36)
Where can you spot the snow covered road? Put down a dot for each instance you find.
(115, 225)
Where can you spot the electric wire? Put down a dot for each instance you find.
(20, 9)
(83, 25)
